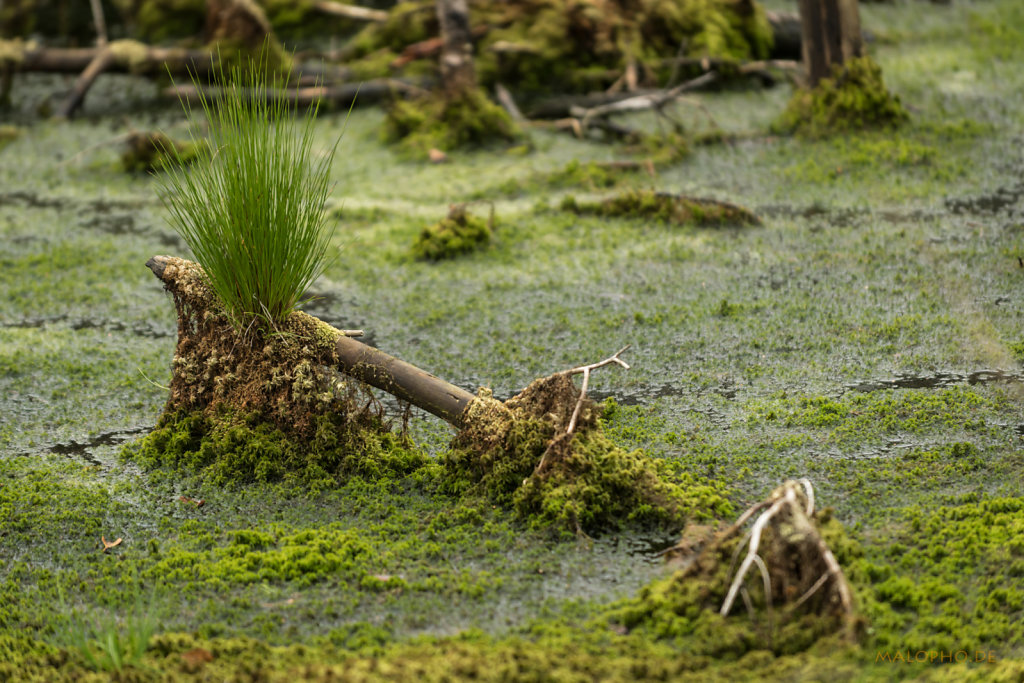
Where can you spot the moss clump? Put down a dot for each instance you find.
(444, 123)
(149, 152)
(854, 98)
(573, 45)
(228, 448)
(519, 454)
(8, 134)
(665, 207)
(258, 404)
(685, 608)
(460, 232)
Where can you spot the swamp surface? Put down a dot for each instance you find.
(868, 336)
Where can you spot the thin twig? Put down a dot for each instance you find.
(813, 589)
(101, 24)
(809, 490)
(585, 369)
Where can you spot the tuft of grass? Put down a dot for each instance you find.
(251, 207)
(109, 644)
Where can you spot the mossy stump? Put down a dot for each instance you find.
(854, 98)
(264, 404)
(446, 123)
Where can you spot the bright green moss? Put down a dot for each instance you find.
(302, 557)
(942, 580)
(458, 233)
(585, 484)
(231, 449)
(437, 122)
(854, 98)
(856, 415)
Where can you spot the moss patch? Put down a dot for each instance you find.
(565, 46)
(437, 122)
(949, 578)
(854, 98)
(149, 152)
(228, 448)
(520, 455)
(666, 208)
(460, 232)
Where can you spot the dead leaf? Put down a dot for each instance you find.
(437, 156)
(107, 545)
(193, 660)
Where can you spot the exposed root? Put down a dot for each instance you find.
(585, 369)
(798, 553)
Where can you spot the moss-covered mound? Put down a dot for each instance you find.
(854, 98)
(520, 454)
(788, 605)
(439, 122)
(460, 232)
(665, 207)
(579, 45)
(153, 151)
(258, 404)
(228, 448)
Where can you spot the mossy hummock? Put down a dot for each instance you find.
(854, 98)
(521, 454)
(460, 232)
(666, 208)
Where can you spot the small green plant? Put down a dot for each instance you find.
(108, 643)
(251, 207)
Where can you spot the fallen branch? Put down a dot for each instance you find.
(656, 101)
(103, 59)
(342, 94)
(355, 12)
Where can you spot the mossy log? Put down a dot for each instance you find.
(355, 359)
(128, 56)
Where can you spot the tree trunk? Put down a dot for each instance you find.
(831, 35)
(457, 74)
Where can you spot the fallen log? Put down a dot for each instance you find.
(128, 56)
(341, 94)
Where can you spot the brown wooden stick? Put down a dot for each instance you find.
(402, 380)
(340, 94)
(338, 9)
(103, 59)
